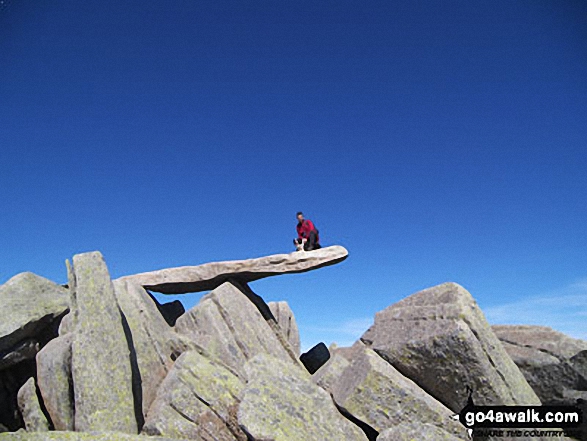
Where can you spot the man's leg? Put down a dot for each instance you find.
(311, 242)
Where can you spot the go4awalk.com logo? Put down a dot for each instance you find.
(523, 421)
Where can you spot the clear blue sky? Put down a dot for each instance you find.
(435, 140)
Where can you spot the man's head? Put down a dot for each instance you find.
(300, 216)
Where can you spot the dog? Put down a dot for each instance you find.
(300, 243)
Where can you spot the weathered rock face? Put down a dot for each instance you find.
(29, 304)
(55, 382)
(287, 323)
(328, 375)
(376, 393)
(197, 400)
(149, 338)
(230, 328)
(211, 275)
(439, 332)
(545, 358)
(280, 403)
(101, 365)
(30, 409)
(315, 357)
(416, 431)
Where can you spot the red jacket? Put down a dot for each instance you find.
(305, 228)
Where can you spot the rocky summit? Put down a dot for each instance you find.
(103, 360)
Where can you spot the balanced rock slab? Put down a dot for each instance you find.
(197, 400)
(55, 382)
(230, 328)
(29, 304)
(547, 359)
(209, 276)
(280, 403)
(373, 391)
(30, 409)
(440, 339)
(100, 357)
(287, 323)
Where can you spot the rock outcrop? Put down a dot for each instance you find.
(547, 359)
(230, 328)
(287, 323)
(373, 391)
(433, 334)
(100, 356)
(55, 382)
(30, 409)
(211, 275)
(197, 400)
(281, 403)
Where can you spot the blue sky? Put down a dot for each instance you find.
(435, 140)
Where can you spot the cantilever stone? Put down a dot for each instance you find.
(209, 276)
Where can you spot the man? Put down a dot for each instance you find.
(308, 236)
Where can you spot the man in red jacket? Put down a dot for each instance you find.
(308, 236)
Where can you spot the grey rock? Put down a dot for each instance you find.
(149, 338)
(209, 276)
(287, 323)
(230, 328)
(280, 403)
(432, 335)
(328, 375)
(55, 382)
(546, 358)
(315, 357)
(101, 365)
(77, 436)
(416, 431)
(197, 400)
(374, 392)
(30, 409)
(29, 304)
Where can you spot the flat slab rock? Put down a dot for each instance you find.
(209, 276)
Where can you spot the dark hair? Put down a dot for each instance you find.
(299, 213)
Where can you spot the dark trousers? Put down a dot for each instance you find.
(311, 241)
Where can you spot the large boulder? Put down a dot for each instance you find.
(280, 403)
(149, 337)
(209, 276)
(374, 392)
(30, 408)
(287, 323)
(230, 328)
(416, 431)
(547, 359)
(55, 382)
(197, 400)
(30, 304)
(100, 359)
(440, 339)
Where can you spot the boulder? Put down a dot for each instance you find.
(197, 400)
(329, 374)
(416, 431)
(230, 328)
(280, 403)
(149, 338)
(11, 380)
(546, 358)
(55, 382)
(440, 339)
(375, 393)
(30, 304)
(315, 357)
(30, 409)
(287, 323)
(100, 355)
(209, 276)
